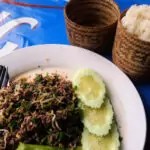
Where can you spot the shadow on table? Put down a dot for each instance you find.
(147, 144)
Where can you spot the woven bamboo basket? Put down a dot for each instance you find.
(131, 54)
(91, 24)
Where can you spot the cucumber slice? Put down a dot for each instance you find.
(78, 148)
(98, 121)
(90, 88)
(35, 147)
(108, 142)
(23, 146)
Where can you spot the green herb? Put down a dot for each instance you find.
(38, 78)
(26, 105)
(1, 126)
(35, 90)
(13, 125)
(75, 88)
(72, 106)
(26, 85)
(35, 120)
(17, 104)
(47, 105)
(61, 136)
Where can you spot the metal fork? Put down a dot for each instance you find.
(4, 76)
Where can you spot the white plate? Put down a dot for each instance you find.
(125, 99)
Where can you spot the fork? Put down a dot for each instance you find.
(4, 76)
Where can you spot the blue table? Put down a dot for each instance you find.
(49, 27)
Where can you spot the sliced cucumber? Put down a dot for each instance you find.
(90, 88)
(78, 148)
(23, 146)
(98, 121)
(33, 147)
(108, 142)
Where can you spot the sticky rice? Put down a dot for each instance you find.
(137, 21)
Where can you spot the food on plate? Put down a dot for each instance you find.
(51, 112)
(98, 121)
(43, 111)
(108, 142)
(137, 21)
(90, 88)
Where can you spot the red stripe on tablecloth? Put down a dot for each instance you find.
(30, 5)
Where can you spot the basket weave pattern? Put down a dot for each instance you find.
(91, 23)
(131, 54)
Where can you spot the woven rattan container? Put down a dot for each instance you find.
(131, 54)
(91, 24)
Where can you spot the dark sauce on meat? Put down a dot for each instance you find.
(42, 112)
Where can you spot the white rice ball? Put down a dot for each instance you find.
(137, 21)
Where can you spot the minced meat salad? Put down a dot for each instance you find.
(42, 112)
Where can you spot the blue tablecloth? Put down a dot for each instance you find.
(22, 26)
